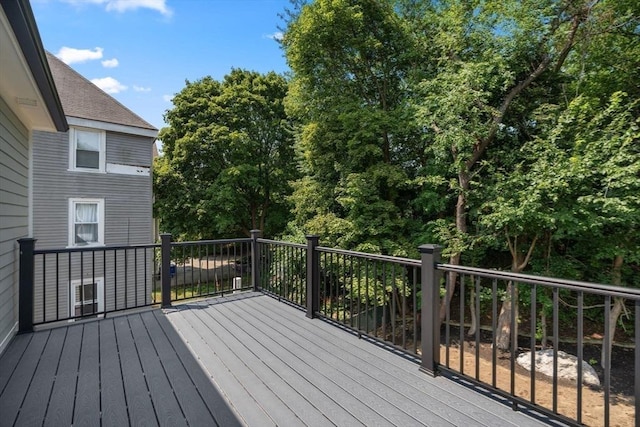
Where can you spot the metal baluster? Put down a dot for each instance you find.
(494, 327)
(534, 316)
(463, 279)
(580, 348)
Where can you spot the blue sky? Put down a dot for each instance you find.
(141, 51)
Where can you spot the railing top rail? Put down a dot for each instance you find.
(211, 242)
(372, 257)
(95, 248)
(574, 285)
(280, 243)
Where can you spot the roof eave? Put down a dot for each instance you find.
(26, 32)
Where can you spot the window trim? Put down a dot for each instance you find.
(71, 214)
(102, 157)
(99, 298)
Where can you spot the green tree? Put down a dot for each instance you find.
(604, 163)
(227, 158)
(350, 63)
(495, 63)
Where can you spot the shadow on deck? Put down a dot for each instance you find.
(241, 359)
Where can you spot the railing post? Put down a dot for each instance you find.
(430, 322)
(165, 269)
(25, 291)
(313, 276)
(255, 259)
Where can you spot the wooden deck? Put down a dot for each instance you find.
(244, 359)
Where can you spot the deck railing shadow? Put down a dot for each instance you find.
(393, 301)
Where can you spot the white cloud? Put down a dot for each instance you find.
(110, 63)
(167, 98)
(141, 88)
(277, 36)
(125, 5)
(109, 85)
(70, 55)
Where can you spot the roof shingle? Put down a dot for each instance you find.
(82, 99)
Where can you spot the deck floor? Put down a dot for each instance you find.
(125, 370)
(276, 367)
(243, 359)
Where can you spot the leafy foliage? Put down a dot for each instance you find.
(228, 158)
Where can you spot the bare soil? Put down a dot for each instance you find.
(593, 409)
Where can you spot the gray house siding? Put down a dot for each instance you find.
(127, 221)
(128, 217)
(14, 213)
(127, 149)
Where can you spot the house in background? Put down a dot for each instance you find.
(92, 188)
(28, 102)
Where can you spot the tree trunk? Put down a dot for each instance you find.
(616, 311)
(518, 264)
(482, 144)
(451, 288)
(472, 309)
(504, 320)
(461, 227)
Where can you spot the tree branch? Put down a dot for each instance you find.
(511, 248)
(528, 257)
(522, 85)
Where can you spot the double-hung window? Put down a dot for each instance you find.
(86, 222)
(87, 150)
(87, 296)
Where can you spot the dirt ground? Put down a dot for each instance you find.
(622, 399)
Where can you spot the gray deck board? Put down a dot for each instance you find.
(243, 359)
(356, 376)
(168, 411)
(112, 397)
(138, 399)
(132, 369)
(389, 373)
(347, 380)
(61, 402)
(196, 413)
(241, 400)
(379, 398)
(294, 373)
(210, 398)
(264, 365)
(458, 406)
(87, 405)
(11, 356)
(18, 384)
(315, 377)
(33, 410)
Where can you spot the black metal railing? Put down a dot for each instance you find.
(484, 338)
(283, 273)
(379, 296)
(75, 283)
(396, 301)
(209, 268)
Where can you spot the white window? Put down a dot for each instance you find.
(87, 150)
(86, 222)
(87, 296)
